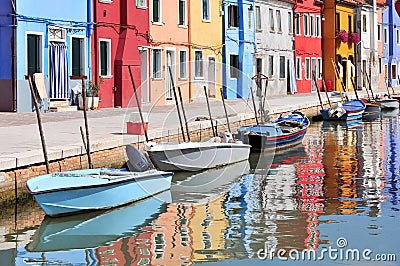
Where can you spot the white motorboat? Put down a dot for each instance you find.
(196, 156)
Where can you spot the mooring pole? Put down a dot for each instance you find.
(39, 120)
(316, 86)
(184, 113)
(176, 103)
(86, 124)
(326, 92)
(209, 112)
(138, 104)
(226, 113)
(254, 105)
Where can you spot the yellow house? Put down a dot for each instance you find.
(205, 39)
(337, 44)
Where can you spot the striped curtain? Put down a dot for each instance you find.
(59, 81)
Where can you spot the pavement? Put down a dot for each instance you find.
(20, 140)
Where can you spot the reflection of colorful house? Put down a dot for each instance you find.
(337, 46)
(381, 70)
(391, 42)
(48, 38)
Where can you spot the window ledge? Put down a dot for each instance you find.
(157, 79)
(182, 26)
(106, 1)
(183, 79)
(141, 7)
(206, 20)
(157, 23)
(199, 78)
(107, 76)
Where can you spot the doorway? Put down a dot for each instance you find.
(170, 63)
(144, 75)
(211, 76)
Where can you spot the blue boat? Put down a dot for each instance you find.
(284, 132)
(95, 189)
(350, 110)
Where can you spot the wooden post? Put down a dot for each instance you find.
(369, 84)
(86, 124)
(83, 138)
(355, 90)
(177, 104)
(254, 105)
(226, 113)
(209, 111)
(366, 87)
(184, 114)
(138, 104)
(39, 120)
(337, 75)
(326, 92)
(319, 95)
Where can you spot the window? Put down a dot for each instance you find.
(397, 37)
(298, 68)
(380, 65)
(279, 20)
(156, 63)
(141, 3)
(364, 23)
(258, 18)
(314, 68)
(318, 26)
(233, 16)
(394, 71)
(350, 23)
(78, 56)
(105, 57)
(34, 53)
(271, 66)
(312, 25)
(319, 68)
(157, 11)
(305, 24)
(379, 32)
(297, 18)
(234, 66)
(206, 10)
(271, 20)
(182, 64)
(290, 23)
(337, 22)
(385, 35)
(198, 64)
(307, 68)
(182, 13)
(282, 67)
(250, 18)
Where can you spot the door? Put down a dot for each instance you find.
(313, 73)
(170, 64)
(144, 74)
(211, 77)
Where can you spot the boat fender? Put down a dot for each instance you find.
(215, 139)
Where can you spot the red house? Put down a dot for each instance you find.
(308, 20)
(121, 32)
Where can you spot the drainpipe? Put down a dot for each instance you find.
(89, 29)
(239, 92)
(190, 50)
(224, 70)
(390, 42)
(95, 44)
(14, 57)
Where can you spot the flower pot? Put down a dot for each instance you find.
(95, 103)
(89, 102)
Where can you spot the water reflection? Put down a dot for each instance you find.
(342, 181)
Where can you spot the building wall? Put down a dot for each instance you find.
(308, 47)
(6, 36)
(238, 41)
(168, 36)
(275, 43)
(380, 45)
(207, 37)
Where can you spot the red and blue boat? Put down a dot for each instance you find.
(350, 110)
(282, 133)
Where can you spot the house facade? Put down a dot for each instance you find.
(205, 38)
(238, 36)
(308, 20)
(53, 40)
(381, 5)
(121, 28)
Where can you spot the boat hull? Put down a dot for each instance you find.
(197, 156)
(388, 103)
(94, 193)
(353, 110)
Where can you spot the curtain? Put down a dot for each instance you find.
(59, 81)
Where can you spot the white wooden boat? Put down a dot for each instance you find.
(95, 189)
(386, 103)
(196, 156)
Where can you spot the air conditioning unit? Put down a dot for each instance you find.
(57, 34)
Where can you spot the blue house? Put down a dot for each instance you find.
(239, 49)
(43, 36)
(391, 42)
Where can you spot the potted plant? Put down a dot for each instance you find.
(354, 37)
(92, 95)
(343, 36)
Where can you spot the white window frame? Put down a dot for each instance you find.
(311, 67)
(208, 10)
(106, 1)
(83, 56)
(290, 22)
(230, 73)
(318, 26)
(109, 72)
(184, 15)
(271, 20)
(307, 72)
(159, 74)
(284, 70)
(186, 64)
(270, 68)
(141, 6)
(278, 21)
(379, 33)
(160, 12)
(306, 24)
(297, 19)
(41, 34)
(258, 19)
(299, 75)
(385, 35)
(312, 25)
(202, 64)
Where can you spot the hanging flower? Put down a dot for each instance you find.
(355, 37)
(343, 36)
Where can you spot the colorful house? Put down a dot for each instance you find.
(381, 5)
(308, 19)
(48, 38)
(120, 39)
(169, 49)
(274, 39)
(238, 35)
(336, 43)
(205, 38)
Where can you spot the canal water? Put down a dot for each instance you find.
(332, 199)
